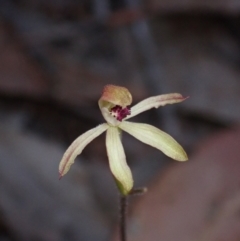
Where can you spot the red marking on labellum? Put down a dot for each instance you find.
(120, 113)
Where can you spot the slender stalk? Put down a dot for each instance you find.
(123, 214)
(123, 211)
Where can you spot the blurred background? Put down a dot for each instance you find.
(55, 58)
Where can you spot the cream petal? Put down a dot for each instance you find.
(117, 161)
(108, 117)
(155, 102)
(156, 138)
(77, 146)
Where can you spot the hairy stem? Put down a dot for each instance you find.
(123, 211)
(123, 214)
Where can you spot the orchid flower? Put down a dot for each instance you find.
(115, 107)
